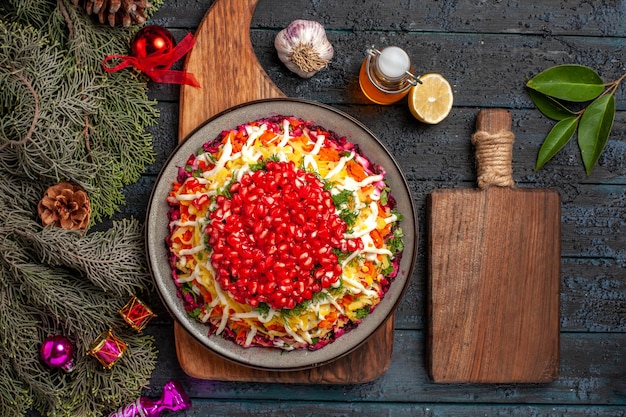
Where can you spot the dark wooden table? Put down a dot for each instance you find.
(487, 50)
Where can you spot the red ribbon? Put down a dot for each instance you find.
(158, 67)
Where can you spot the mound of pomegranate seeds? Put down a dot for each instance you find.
(273, 240)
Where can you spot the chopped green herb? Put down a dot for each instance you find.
(297, 310)
(195, 313)
(344, 197)
(263, 309)
(349, 217)
(399, 215)
(388, 270)
(257, 166)
(225, 190)
(396, 243)
(384, 196)
(362, 312)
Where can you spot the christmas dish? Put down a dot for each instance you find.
(289, 231)
(282, 234)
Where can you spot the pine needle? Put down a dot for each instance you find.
(62, 118)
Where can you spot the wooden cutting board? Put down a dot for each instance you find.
(224, 62)
(494, 272)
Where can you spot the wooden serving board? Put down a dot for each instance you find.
(494, 280)
(225, 65)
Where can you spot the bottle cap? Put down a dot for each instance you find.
(393, 62)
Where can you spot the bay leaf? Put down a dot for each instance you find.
(558, 137)
(549, 106)
(595, 128)
(569, 82)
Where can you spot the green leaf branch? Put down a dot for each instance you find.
(554, 90)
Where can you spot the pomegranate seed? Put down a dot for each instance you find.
(275, 236)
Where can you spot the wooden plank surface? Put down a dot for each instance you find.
(246, 409)
(494, 273)
(586, 378)
(493, 288)
(596, 18)
(200, 363)
(225, 65)
(486, 50)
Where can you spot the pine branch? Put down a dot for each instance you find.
(82, 311)
(33, 123)
(90, 125)
(109, 389)
(14, 396)
(52, 152)
(34, 11)
(75, 305)
(19, 334)
(62, 118)
(112, 260)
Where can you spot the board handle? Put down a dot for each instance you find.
(493, 147)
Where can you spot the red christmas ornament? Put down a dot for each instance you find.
(57, 352)
(136, 313)
(153, 51)
(152, 40)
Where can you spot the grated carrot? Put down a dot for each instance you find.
(356, 171)
(328, 154)
(377, 238)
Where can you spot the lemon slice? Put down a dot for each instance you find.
(431, 101)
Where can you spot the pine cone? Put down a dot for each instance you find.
(116, 12)
(65, 205)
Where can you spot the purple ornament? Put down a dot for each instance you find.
(172, 399)
(57, 352)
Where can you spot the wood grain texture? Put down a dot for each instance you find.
(558, 18)
(486, 50)
(592, 370)
(593, 291)
(494, 285)
(198, 362)
(494, 281)
(328, 409)
(225, 65)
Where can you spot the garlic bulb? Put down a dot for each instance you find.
(303, 47)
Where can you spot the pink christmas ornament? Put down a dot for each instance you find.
(57, 352)
(107, 348)
(172, 399)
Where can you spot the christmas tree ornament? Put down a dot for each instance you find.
(153, 52)
(57, 352)
(136, 313)
(151, 41)
(173, 398)
(116, 12)
(107, 348)
(65, 205)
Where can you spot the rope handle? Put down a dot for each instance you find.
(493, 147)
